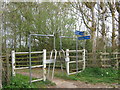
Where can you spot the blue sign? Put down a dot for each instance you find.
(79, 33)
(83, 38)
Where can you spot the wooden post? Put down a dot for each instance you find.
(83, 59)
(117, 64)
(44, 65)
(67, 60)
(7, 68)
(13, 63)
(101, 59)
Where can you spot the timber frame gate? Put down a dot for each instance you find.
(43, 65)
(68, 62)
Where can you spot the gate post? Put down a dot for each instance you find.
(13, 63)
(44, 64)
(83, 59)
(67, 60)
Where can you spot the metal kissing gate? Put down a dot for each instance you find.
(68, 61)
(52, 59)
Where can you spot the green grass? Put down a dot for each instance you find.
(21, 81)
(93, 75)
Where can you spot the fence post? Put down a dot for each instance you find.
(83, 59)
(67, 60)
(101, 59)
(13, 63)
(116, 60)
(44, 64)
(7, 68)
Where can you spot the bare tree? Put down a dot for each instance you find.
(118, 10)
(92, 27)
(112, 9)
(103, 29)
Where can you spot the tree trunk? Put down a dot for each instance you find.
(14, 38)
(93, 37)
(20, 38)
(119, 32)
(104, 36)
(113, 31)
(112, 9)
(1, 45)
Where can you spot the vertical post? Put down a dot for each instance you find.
(76, 55)
(60, 43)
(30, 59)
(101, 59)
(13, 63)
(83, 59)
(116, 60)
(54, 64)
(54, 42)
(44, 64)
(7, 68)
(67, 60)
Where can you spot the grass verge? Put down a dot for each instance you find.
(93, 75)
(21, 81)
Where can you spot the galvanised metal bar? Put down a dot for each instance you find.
(30, 67)
(65, 37)
(76, 55)
(41, 35)
(61, 40)
(54, 43)
(76, 48)
(60, 43)
(30, 59)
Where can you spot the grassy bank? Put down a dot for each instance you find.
(93, 75)
(21, 81)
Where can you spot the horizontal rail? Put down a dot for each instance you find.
(28, 52)
(37, 80)
(37, 57)
(50, 61)
(75, 61)
(106, 65)
(28, 67)
(75, 50)
(21, 68)
(65, 37)
(37, 66)
(110, 53)
(27, 61)
(74, 72)
(42, 35)
(105, 59)
(75, 56)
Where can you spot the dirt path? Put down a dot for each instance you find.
(61, 83)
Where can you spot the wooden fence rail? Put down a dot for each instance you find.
(110, 59)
